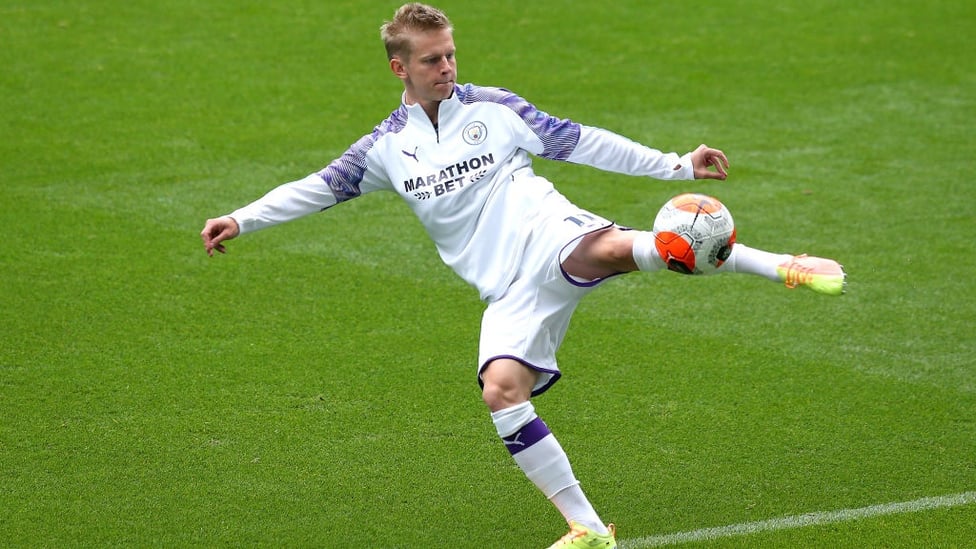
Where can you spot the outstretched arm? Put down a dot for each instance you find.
(218, 230)
(612, 152)
(283, 203)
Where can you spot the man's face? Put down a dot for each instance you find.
(429, 72)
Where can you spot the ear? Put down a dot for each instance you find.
(398, 67)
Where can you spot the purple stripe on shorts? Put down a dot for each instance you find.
(567, 250)
(532, 432)
(554, 375)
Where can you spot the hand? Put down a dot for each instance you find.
(216, 231)
(705, 157)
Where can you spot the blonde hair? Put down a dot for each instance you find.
(411, 18)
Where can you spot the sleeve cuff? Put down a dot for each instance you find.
(685, 168)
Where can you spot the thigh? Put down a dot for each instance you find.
(602, 253)
(527, 325)
(528, 322)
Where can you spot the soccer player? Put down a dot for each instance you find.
(459, 155)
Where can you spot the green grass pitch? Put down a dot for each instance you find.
(315, 387)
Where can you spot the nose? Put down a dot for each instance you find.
(445, 65)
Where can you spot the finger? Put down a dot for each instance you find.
(717, 159)
(216, 242)
(716, 156)
(212, 245)
(709, 152)
(716, 162)
(208, 243)
(712, 170)
(722, 157)
(207, 233)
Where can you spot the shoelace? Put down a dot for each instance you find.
(797, 274)
(577, 532)
(574, 533)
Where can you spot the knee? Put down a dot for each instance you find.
(494, 396)
(501, 393)
(618, 250)
(506, 383)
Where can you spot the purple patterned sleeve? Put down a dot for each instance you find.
(345, 174)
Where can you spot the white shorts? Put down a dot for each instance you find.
(528, 322)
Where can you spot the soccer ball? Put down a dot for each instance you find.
(694, 234)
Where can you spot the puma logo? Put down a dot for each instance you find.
(412, 155)
(514, 441)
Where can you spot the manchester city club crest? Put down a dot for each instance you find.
(475, 133)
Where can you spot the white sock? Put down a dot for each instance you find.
(645, 252)
(540, 456)
(744, 259)
(509, 420)
(574, 506)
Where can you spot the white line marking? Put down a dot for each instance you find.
(801, 521)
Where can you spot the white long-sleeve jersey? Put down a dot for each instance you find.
(469, 179)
